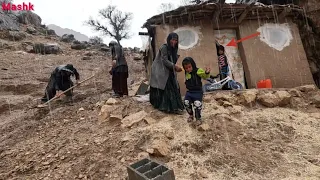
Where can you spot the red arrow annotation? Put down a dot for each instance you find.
(234, 43)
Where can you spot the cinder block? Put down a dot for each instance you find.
(147, 169)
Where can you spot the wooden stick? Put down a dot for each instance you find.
(56, 97)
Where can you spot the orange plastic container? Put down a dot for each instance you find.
(264, 84)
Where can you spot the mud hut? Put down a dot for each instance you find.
(277, 53)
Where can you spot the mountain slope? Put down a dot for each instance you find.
(61, 31)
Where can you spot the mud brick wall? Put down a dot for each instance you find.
(204, 53)
(287, 68)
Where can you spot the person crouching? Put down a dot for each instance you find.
(60, 81)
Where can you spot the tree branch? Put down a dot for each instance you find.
(118, 22)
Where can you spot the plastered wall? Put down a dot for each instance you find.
(204, 53)
(287, 67)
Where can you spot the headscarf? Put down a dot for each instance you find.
(112, 45)
(66, 68)
(219, 47)
(173, 51)
(189, 60)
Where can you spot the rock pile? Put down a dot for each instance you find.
(295, 97)
(68, 38)
(219, 106)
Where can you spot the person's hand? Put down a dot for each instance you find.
(114, 63)
(59, 93)
(208, 69)
(178, 68)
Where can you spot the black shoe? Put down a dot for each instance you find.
(44, 100)
(190, 119)
(179, 112)
(198, 122)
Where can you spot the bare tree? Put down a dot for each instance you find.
(164, 7)
(96, 40)
(117, 26)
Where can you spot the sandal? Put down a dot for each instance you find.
(190, 119)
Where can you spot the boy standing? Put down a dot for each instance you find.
(194, 92)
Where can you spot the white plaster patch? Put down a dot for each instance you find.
(188, 37)
(277, 36)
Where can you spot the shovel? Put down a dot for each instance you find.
(56, 97)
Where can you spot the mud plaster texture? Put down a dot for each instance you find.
(286, 68)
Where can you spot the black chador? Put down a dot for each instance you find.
(60, 81)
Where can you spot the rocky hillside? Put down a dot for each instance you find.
(61, 31)
(251, 134)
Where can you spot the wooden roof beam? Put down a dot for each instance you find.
(245, 12)
(216, 14)
(229, 19)
(284, 13)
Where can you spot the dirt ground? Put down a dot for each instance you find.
(73, 142)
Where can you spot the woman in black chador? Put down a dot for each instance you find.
(164, 87)
(119, 70)
(60, 81)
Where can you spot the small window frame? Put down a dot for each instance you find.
(196, 35)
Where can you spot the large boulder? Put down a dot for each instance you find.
(8, 21)
(31, 30)
(137, 57)
(48, 48)
(5, 45)
(160, 148)
(136, 50)
(105, 48)
(28, 17)
(67, 38)
(307, 88)
(77, 45)
(248, 97)
(133, 119)
(50, 32)
(16, 35)
(270, 99)
(316, 100)
(284, 97)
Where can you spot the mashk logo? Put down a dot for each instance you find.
(17, 7)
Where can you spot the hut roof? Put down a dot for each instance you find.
(228, 12)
